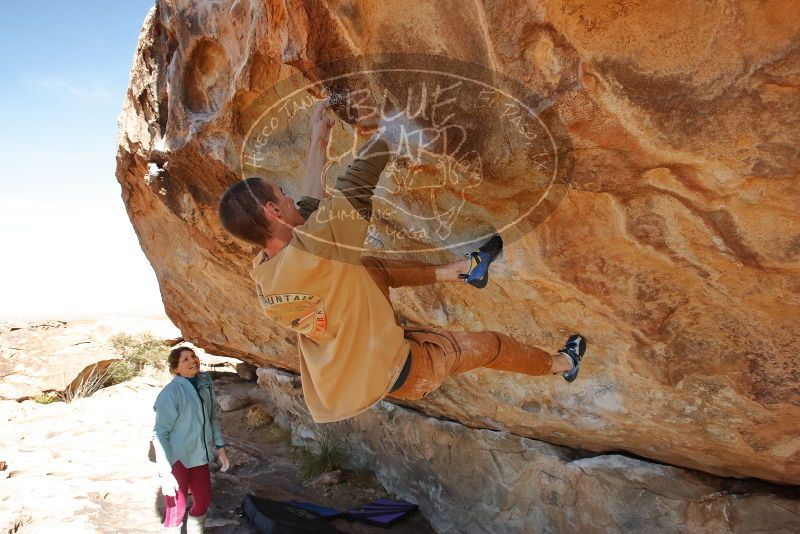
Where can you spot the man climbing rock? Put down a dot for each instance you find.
(311, 278)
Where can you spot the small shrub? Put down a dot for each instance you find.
(327, 458)
(120, 371)
(139, 353)
(142, 350)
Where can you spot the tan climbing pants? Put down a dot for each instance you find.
(438, 354)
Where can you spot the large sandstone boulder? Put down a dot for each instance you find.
(675, 247)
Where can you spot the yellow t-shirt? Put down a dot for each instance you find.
(351, 348)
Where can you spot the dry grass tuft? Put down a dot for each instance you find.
(47, 397)
(326, 458)
(257, 417)
(92, 381)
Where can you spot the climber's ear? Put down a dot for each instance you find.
(272, 211)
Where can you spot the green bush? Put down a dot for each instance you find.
(137, 352)
(141, 351)
(121, 371)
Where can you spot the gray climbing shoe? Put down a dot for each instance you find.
(574, 349)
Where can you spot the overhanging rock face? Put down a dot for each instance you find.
(675, 249)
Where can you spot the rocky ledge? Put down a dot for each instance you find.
(467, 480)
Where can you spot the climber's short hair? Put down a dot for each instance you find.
(241, 210)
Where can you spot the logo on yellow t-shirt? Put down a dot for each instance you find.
(305, 314)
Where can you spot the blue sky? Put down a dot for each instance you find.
(69, 250)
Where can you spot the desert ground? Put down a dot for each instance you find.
(83, 467)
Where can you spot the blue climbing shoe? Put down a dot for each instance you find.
(574, 348)
(478, 274)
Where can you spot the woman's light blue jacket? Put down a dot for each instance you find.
(186, 426)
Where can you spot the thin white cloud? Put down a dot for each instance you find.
(60, 84)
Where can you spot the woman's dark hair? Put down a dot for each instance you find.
(241, 210)
(175, 356)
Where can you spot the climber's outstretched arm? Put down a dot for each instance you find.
(313, 188)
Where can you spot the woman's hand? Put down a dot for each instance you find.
(168, 485)
(223, 459)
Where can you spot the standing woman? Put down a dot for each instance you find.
(185, 436)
